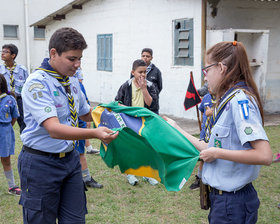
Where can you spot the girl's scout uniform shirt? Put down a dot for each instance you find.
(239, 124)
(44, 97)
(20, 75)
(8, 111)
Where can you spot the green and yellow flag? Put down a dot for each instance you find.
(146, 146)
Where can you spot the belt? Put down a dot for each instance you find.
(38, 152)
(220, 192)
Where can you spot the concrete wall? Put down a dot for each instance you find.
(259, 15)
(135, 25)
(12, 13)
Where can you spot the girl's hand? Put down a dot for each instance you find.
(209, 155)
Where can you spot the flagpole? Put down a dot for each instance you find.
(197, 111)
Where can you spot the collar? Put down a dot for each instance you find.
(3, 95)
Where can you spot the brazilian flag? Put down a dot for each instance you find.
(146, 146)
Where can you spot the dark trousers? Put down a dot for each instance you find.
(21, 116)
(240, 207)
(52, 188)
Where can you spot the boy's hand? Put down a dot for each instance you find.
(208, 112)
(142, 82)
(106, 135)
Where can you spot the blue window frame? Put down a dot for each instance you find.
(104, 52)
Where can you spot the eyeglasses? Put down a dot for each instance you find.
(204, 70)
(6, 52)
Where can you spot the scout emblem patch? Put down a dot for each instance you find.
(48, 109)
(55, 93)
(248, 130)
(217, 143)
(244, 109)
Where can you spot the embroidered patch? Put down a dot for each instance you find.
(55, 93)
(58, 105)
(75, 90)
(36, 85)
(217, 143)
(34, 96)
(228, 106)
(248, 130)
(48, 109)
(40, 94)
(20, 77)
(244, 109)
(7, 115)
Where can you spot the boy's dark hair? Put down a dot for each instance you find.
(149, 50)
(66, 39)
(137, 63)
(13, 48)
(3, 84)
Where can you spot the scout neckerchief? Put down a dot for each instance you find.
(149, 68)
(218, 111)
(64, 81)
(12, 80)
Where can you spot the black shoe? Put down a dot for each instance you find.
(196, 183)
(92, 183)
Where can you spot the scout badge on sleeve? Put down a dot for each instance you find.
(244, 109)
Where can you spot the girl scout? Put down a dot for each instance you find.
(236, 142)
(49, 168)
(8, 117)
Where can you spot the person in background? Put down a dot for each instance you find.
(49, 166)
(139, 92)
(153, 74)
(235, 141)
(8, 117)
(15, 75)
(80, 145)
(206, 108)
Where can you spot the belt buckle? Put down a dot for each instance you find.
(62, 154)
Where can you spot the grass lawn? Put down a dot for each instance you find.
(119, 202)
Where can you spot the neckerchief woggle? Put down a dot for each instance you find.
(218, 111)
(64, 81)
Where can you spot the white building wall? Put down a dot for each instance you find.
(12, 13)
(135, 25)
(261, 15)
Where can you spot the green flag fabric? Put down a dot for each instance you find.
(146, 146)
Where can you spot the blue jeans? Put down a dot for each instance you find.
(240, 207)
(52, 188)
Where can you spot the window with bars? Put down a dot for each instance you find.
(183, 42)
(10, 31)
(104, 52)
(39, 33)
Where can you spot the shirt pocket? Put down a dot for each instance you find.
(221, 137)
(19, 84)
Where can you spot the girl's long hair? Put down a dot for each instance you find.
(234, 56)
(4, 86)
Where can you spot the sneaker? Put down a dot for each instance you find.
(132, 180)
(196, 183)
(277, 159)
(91, 150)
(152, 181)
(15, 191)
(93, 183)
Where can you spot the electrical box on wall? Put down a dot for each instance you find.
(256, 43)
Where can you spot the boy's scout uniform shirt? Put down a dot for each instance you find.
(239, 124)
(44, 97)
(20, 75)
